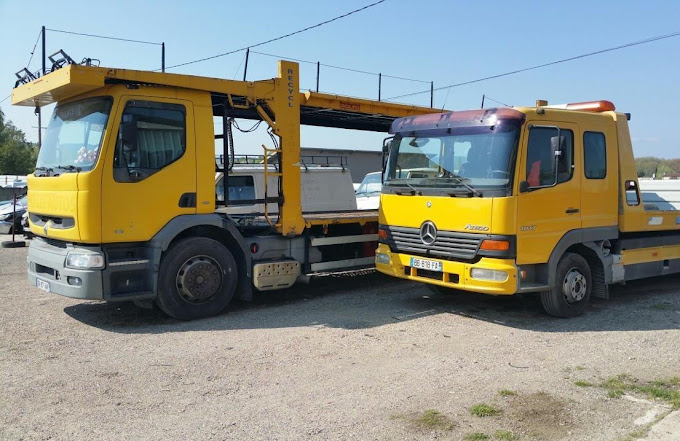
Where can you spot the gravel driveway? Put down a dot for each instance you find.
(345, 358)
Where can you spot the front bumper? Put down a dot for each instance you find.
(46, 262)
(129, 273)
(454, 274)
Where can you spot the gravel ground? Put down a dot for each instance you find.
(345, 358)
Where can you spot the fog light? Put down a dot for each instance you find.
(75, 281)
(488, 274)
(382, 258)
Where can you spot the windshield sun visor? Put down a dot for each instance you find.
(463, 119)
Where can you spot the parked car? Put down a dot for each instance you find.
(9, 220)
(368, 193)
(25, 227)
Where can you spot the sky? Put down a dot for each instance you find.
(444, 41)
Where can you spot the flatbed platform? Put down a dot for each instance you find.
(343, 217)
(318, 218)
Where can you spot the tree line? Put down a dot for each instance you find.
(17, 156)
(649, 166)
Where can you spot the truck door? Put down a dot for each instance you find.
(150, 176)
(549, 198)
(599, 180)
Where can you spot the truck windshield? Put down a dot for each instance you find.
(474, 158)
(74, 135)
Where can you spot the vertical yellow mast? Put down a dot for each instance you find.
(286, 108)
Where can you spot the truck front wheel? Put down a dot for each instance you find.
(197, 278)
(571, 293)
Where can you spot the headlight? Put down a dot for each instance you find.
(84, 260)
(5, 217)
(382, 258)
(489, 275)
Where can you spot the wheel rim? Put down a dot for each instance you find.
(574, 287)
(199, 279)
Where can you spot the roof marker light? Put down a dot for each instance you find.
(592, 106)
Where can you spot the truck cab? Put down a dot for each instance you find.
(533, 199)
(123, 199)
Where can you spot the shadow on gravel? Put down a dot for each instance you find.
(372, 300)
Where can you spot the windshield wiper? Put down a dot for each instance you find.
(414, 191)
(68, 167)
(47, 170)
(461, 180)
(473, 190)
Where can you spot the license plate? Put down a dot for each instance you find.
(45, 286)
(431, 265)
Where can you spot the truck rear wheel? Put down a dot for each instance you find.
(573, 284)
(197, 279)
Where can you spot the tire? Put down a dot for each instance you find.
(573, 284)
(10, 244)
(197, 279)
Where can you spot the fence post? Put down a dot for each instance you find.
(245, 68)
(431, 94)
(318, 70)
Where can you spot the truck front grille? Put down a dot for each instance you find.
(451, 245)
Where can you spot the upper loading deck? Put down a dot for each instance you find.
(277, 101)
(317, 109)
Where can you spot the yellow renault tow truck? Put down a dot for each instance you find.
(123, 202)
(538, 199)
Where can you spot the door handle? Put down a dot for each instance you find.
(572, 210)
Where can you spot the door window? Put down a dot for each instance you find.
(151, 136)
(550, 156)
(595, 155)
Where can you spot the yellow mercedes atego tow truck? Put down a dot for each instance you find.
(538, 199)
(123, 202)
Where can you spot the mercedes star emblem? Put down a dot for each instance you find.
(428, 233)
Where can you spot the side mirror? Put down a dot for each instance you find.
(387, 145)
(632, 194)
(523, 187)
(556, 143)
(129, 134)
